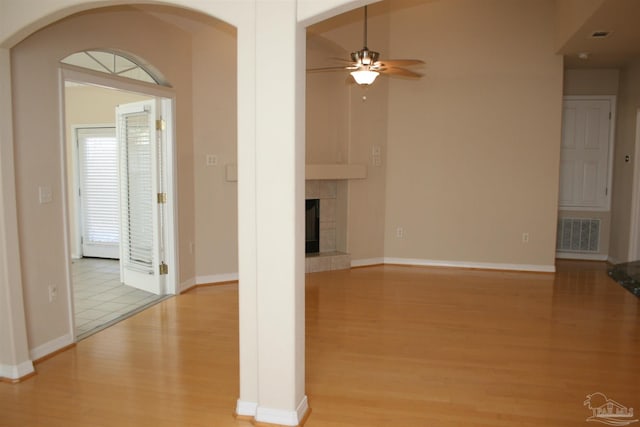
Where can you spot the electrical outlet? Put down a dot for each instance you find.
(399, 232)
(53, 293)
(525, 237)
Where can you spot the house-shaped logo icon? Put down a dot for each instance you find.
(608, 411)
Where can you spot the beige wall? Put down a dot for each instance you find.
(366, 208)
(327, 105)
(628, 104)
(215, 133)
(38, 151)
(474, 145)
(87, 105)
(590, 82)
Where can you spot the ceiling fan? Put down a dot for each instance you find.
(366, 65)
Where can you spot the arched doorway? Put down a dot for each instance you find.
(40, 158)
(119, 229)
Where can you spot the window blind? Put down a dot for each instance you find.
(98, 151)
(137, 162)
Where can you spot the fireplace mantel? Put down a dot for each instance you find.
(316, 172)
(336, 172)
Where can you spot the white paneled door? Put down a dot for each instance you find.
(141, 195)
(584, 172)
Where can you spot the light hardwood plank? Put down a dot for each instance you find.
(386, 346)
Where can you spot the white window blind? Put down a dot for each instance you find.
(98, 152)
(137, 162)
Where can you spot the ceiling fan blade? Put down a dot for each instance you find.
(323, 69)
(341, 60)
(400, 62)
(400, 72)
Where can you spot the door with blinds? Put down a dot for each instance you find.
(98, 192)
(141, 196)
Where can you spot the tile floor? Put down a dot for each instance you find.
(628, 275)
(100, 300)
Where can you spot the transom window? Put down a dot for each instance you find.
(110, 63)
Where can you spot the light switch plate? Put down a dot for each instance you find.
(44, 194)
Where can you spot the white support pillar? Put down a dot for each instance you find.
(271, 195)
(280, 201)
(248, 400)
(14, 350)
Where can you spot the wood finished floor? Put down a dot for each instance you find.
(386, 346)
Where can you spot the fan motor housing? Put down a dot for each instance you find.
(365, 56)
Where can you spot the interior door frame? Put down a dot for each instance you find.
(612, 134)
(75, 158)
(167, 98)
(634, 230)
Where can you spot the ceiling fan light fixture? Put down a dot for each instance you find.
(364, 77)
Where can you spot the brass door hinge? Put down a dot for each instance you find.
(162, 197)
(160, 124)
(164, 268)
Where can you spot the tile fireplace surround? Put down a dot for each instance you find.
(329, 258)
(326, 182)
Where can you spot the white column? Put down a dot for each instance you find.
(248, 399)
(271, 228)
(14, 350)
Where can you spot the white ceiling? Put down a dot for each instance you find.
(622, 18)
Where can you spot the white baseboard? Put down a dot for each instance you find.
(302, 408)
(15, 372)
(585, 257)
(217, 278)
(186, 285)
(477, 265)
(51, 346)
(366, 262)
(282, 417)
(246, 409)
(205, 280)
(613, 260)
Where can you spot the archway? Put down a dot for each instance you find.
(119, 237)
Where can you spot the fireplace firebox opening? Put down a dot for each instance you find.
(312, 226)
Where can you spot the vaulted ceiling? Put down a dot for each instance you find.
(618, 17)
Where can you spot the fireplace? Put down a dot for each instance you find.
(312, 226)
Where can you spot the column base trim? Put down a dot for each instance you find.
(281, 417)
(246, 409)
(16, 373)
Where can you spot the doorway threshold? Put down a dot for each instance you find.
(100, 327)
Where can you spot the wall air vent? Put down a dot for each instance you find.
(600, 34)
(578, 235)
